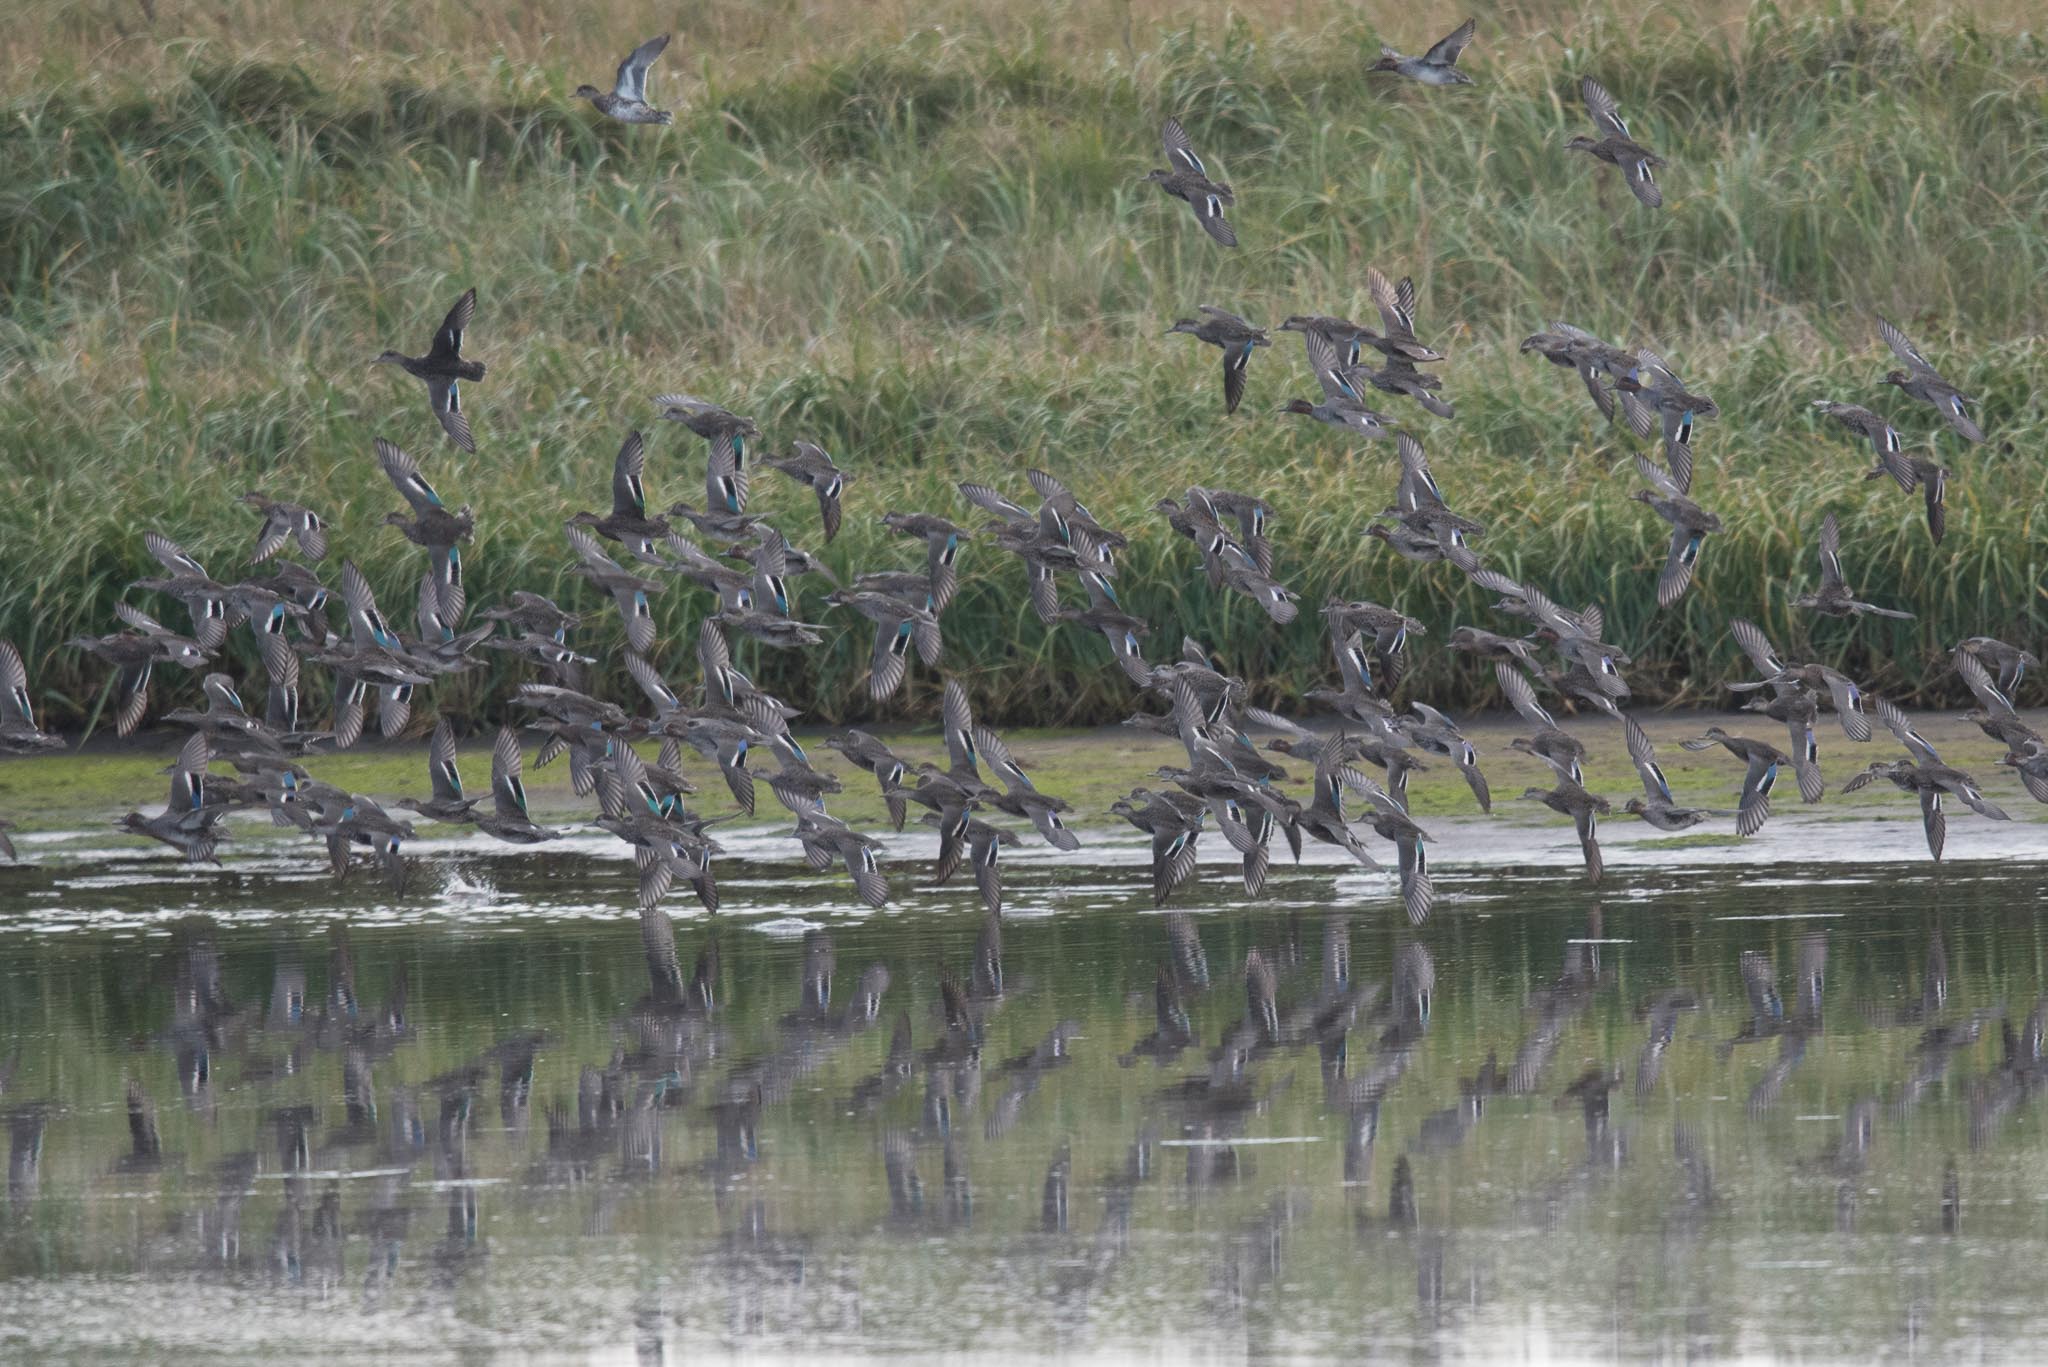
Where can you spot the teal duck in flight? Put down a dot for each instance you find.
(628, 523)
(1657, 806)
(448, 802)
(189, 822)
(1614, 145)
(1585, 809)
(630, 591)
(432, 527)
(1438, 66)
(711, 422)
(19, 734)
(626, 101)
(283, 522)
(1834, 598)
(443, 369)
(1763, 761)
(1600, 364)
(1235, 337)
(810, 465)
(1920, 380)
(1188, 181)
(135, 654)
(1690, 527)
(1652, 393)
(1341, 406)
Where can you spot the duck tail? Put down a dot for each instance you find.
(471, 370)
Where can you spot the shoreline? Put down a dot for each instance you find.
(64, 805)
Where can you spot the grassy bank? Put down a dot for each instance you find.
(927, 248)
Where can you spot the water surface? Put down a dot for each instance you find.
(1706, 1110)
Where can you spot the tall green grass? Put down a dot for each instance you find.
(932, 253)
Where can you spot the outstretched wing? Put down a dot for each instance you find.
(1757, 646)
(508, 792)
(1180, 152)
(1831, 553)
(1903, 348)
(1521, 695)
(1655, 785)
(1451, 46)
(1679, 565)
(1398, 321)
(404, 473)
(1322, 359)
(447, 345)
(725, 476)
(445, 398)
(629, 494)
(1604, 108)
(632, 81)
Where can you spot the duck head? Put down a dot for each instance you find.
(1579, 142)
(1299, 406)
(587, 92)
(389, 358)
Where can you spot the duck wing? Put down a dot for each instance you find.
(1903, 348)
(1831, 554)
(1755, 807)
(1934, 483)
(444, 397)
(1848, 701)
(1418, 892)
(447, 779)
(1586, 820)
(1236, 359)
(1978, 678)
(725, 476)
(889, 661)
(1679, 565)
(1447, 49)
(1173, 861)
(632, 79)
(1322, 359)
(629, 493)
(1209, 213)
(447, 343)
(1933, 821)
(508, 791)
(1757, 646)
(1641, 418)
(1397, 318)
(1521, 695)
(1642, 182)
(1806, 760)
(1655, 786)
(132, 694)
(1895, 722)
(1604, 108)
(1180, 151)
(985, 852)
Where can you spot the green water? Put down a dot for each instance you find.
(459, 1124)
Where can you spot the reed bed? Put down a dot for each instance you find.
(928, 248)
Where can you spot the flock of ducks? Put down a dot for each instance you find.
(751, 571)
